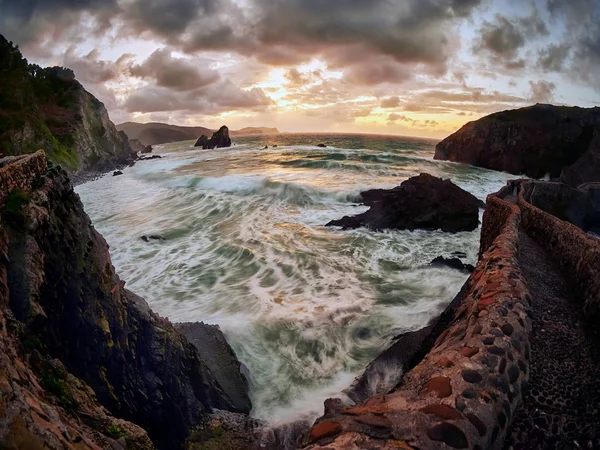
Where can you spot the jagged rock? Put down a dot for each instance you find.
(117, 173)
(539, 140)
(202, 141)
(220, 359)
(138, 147)
(57, 273)
(219, 139)
(422, 202)
(453, 263)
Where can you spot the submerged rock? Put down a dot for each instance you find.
(453, 263)
(219, 139)
(422, 202)
(321, 145)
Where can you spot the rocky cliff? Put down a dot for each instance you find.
(85, 361)
(563, 142)
(48, 108)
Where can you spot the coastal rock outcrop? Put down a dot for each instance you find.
(48, 108)
(219, 139)
(138, 147)
(422, 202)
(62, 301)
(563, 142)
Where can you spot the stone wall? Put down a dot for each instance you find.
(574, 250)
(465, 391)
(20, 172)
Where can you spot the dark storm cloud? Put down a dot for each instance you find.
(30, 21)
(553, 57)
(502, 40)
(174, 73)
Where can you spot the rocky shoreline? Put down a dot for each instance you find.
(86, 362)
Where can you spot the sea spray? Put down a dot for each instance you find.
(305, 307)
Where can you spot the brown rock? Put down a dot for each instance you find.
(324, 429)
(374, 421)
(440, 385)
(442, 411)
(468, 351)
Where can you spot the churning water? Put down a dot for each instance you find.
(305, 307)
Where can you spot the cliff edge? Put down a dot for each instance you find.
(83, 358)
(563, 142)
(48, 108)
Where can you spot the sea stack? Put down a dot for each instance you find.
(219, 139)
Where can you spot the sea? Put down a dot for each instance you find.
(243, 244)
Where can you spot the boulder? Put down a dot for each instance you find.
(563, 142)
(321, 145)
(219, 139)
(422, 202)
(117, 173)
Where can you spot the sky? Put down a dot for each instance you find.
(406, 67)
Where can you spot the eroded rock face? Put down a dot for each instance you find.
(219, 139)
(539, 140)
(423, 202)
(63, 292)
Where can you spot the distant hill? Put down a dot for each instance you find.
(47, 108)
(251, 131)
(155, 133)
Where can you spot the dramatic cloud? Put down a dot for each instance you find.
(174, 73)
(348, 65)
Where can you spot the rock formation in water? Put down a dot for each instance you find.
(49, 109)
(219, 139)
(84, 362)
(161, 133)
(422, 202)
(138, 147)
(561, 141)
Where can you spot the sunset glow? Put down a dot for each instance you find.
(414, 68)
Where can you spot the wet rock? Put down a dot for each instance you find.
(444, 412)
(453, 263)
(321, 145)
(221, 361)
(117, 173)
(422, 202)
(152, 237)
(471, 376)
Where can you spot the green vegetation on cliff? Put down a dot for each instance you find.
(48, 108)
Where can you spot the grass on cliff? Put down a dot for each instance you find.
(56, 383)
(13, 208)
